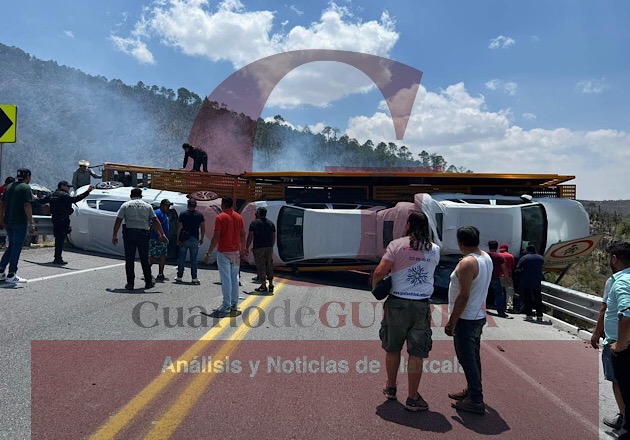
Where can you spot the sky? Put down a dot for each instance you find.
(507, 87)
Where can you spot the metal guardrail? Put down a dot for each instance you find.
(43, 226)
(581, 306)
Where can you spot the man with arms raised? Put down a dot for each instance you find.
(467, 294)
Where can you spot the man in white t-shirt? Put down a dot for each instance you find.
(467, 294)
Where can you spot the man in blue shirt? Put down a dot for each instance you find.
(157, 248)
(617, 323)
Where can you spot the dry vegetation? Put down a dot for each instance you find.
(612, 219)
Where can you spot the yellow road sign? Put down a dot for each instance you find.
(8, 123)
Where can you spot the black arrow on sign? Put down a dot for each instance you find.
(5, 123)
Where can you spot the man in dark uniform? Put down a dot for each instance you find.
(199, 157)
(61, 209)
(531, 265)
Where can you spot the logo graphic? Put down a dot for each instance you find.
(417, 275)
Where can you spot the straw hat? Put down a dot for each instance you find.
(84, 163)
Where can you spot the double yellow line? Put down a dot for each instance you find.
(176, 413)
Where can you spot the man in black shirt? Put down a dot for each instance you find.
(199, 157)
(61, 209)
(188, 237)
(262, 232)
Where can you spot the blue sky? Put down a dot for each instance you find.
(537, 86)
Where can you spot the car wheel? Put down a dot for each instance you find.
(203, 196)
(112, 184)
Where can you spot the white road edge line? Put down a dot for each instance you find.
(33, 280)
(545, 392)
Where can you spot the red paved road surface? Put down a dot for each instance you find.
(534, 390)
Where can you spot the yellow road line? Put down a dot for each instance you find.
(176, 413)
(123, 417)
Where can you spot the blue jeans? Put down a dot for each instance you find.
(467, 340)
(191, 244)
(229, 280)
(499, 296)
(16, 234)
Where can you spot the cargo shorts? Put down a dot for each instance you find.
(157, 248)
(406, 320)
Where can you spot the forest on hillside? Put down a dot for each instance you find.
(65, 115)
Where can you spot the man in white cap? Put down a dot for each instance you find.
(82, 175)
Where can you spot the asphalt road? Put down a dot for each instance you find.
(84, 358)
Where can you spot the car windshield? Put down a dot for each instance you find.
(291, 234)
(534, 223)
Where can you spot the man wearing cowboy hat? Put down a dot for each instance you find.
(82, 176)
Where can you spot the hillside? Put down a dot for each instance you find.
(65, 115)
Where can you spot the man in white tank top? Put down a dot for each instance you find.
(467, 309)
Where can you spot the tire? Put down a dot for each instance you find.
(112, 184)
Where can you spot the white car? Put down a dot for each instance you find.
(92, 221)
(338, 235)
(331, 234)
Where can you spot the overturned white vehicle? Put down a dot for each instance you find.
(332, 235)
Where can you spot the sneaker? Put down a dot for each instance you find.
(469, 406)
(129, 286)
(161, 278)
(390, 392)
(261, 289)
(459, 396)
(234, 308)
(178, 279)
(615, 422)
(503, 315)
(539, 319)
(271, 287)
(149, 284)
(224, 310)
(529, 318)
(417, 404)
(3, 276)
(196, 281)
(60, 262)
(15, 280)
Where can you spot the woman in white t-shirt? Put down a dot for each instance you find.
(412, 260)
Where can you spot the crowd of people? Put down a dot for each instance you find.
(17, 207)
(145, 230)
(410, 262)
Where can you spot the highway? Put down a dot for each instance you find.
(84, 358)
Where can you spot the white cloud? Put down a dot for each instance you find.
(493, 84)
(592, 86)
(296, 10)
(501, 42)
(459, 126)
(134, 47)
(68, 34)
(195, 29)
(534, 38)
(508, 87)
(529, 116)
